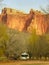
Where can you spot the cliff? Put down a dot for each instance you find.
(25, 22)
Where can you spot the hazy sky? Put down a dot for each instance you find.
(26, 5)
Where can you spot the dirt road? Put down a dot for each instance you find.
(24, 62)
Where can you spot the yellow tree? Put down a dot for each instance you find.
(32, 44)
(3, 38)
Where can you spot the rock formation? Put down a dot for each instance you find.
(25, 22)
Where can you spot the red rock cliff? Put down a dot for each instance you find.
(26, 22)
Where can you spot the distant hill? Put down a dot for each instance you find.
(25, 22)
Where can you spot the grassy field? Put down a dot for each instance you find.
(25, 63)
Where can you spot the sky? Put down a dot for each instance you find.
(25, 5)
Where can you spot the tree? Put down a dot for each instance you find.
(3, 38)
(43, 47)
(32, 44)
(46, 10)
(16, 44)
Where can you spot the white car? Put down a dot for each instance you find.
(24, 56)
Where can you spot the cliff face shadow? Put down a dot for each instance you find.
(28, 20)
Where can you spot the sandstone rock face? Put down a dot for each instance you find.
(25, 22)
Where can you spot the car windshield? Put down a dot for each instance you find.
(24, 55)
